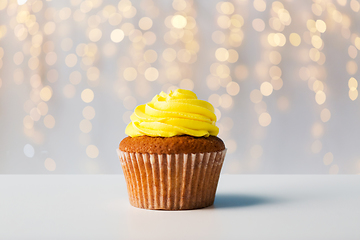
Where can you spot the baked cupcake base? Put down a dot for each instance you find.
(171, 181)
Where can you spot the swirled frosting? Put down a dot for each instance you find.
(176, 113)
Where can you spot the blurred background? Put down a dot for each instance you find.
(282, 75)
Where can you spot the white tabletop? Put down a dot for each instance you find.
(246, 207)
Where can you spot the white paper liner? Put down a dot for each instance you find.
(171, 181)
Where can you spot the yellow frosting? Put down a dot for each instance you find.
(176, 113)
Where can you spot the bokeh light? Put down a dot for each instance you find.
(254, 61)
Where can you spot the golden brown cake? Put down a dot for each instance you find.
(172, 158)
(170, 145)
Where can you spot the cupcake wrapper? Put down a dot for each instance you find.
(171, 181)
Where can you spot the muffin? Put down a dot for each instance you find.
(172, 156)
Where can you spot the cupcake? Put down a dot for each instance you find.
(172, 156)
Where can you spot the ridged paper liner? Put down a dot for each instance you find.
(171, 181)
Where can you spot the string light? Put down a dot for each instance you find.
(144, 63)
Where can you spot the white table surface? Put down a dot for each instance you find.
(246, 207)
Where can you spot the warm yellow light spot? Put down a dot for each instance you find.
(149, 38)
(186, 84)
(351, 67)
(130, 74)
(353, 84)
(316, 41)
(258, 24)
(275, 57)
(3, 31)
(264, 119)
(46, 93)
(277, 6)
(328, 158)
(320, 97)
(233, 56)
(151, 74)
(357, 43)
(43, 108)
(88, 112)
(316, 146)
(320, 26)
(50, 164)
(223, 71)
(316, 9)
(115, 19)
(178, 21)
(184, 55)
(93, 73)
(117, 35)
(150, 56)
(221, 54)
(71, 60)
(135, 36)
(237, 20)
(266, 88)
(92, 151)
(94, 21)
(95, 34)
(226, 101)
(295, 39)
(256, 96)
(314, 54)
(275, 72)
(352, 51)
(87, 95)
(49, 28)
(236, 38)
(169, 54)
(276, 24)
(224, 22)
(342, 2)
(49, 121)
(3, 4)
(85, 126)
(318, 86)
(277, 83)
(127, 28)
(353, 94)
(232, 88)
(317, 130)
(325, 115)
(355, 5)
(311, 25)
(50, 58)
(179, 5)
(18, 58)
(259, 5)
(64, 13)
(276, 39)
(145, 23)
(35, 114)
(227, 8)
